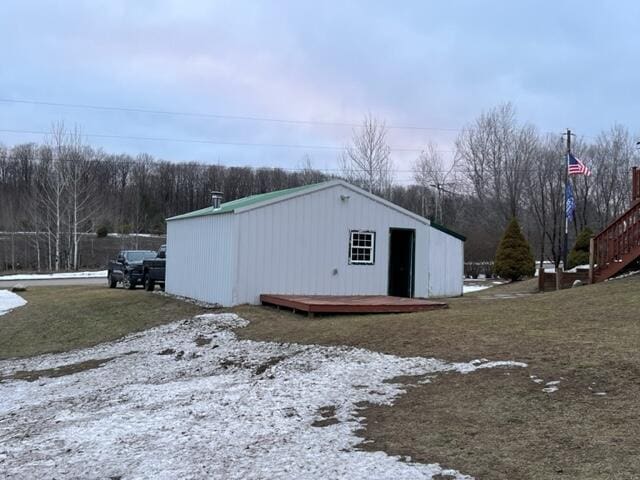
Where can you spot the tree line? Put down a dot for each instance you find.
(502, 169)
(54, 194)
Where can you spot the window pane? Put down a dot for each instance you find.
(361, 247)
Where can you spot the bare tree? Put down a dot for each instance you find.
(545, 194)
(308, 174)
(53, 188)
(431, 174)
(366, 161)
(25, 155)
(79, 173)
(495, 153)
(611, 158)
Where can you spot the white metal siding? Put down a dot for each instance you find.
(200, 258)
(446, 264)
(293, 246)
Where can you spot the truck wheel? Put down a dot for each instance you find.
(149, 284)
(111, 281)
(127, 283)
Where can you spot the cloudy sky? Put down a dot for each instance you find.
(312, 69)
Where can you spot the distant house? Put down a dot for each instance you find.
(330, 238)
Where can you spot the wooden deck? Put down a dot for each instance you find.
(350, 304)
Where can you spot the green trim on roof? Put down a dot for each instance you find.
(232, 206)
(444, 229)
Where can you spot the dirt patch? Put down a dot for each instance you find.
(202, 341)
(167, 351)
(328, 414)
(33, 375)
(232, 363)
(325, 422)
(268, 364)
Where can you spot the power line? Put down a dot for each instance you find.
(214, 142)
(219, 116)
(253, 118)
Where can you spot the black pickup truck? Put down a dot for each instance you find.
(153, 270)
(127, 268)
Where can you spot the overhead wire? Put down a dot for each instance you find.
(252, 118)
(215, 141)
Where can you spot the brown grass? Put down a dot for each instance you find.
(58, 319)
(499, 423)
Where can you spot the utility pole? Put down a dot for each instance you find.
(440, 188)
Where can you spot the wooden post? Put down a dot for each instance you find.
(592, 254)
(558, 278)
(541, 279)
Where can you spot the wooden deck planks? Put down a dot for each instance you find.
(350, 304)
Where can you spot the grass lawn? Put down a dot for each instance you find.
(498, 424)
(491, 424)
(57, 319)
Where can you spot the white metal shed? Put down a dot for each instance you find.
(330, 238)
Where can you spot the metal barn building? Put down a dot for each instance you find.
(330, 238)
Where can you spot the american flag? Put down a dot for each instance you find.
(576, 167)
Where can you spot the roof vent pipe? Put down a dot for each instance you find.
(216, 199)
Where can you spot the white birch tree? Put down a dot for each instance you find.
(81, 185)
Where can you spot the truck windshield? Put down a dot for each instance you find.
(139, 256)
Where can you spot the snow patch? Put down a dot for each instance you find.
(474, 288)
(165, 407)
(9, 301)
(536, 379)
(54, 276)
(625, 275)
(579, 267)
(549, 387)
(546, 270)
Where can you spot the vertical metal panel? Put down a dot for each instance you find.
(446, 264)
(294, 246)
(200, 258)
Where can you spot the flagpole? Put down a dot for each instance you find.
(565, 249)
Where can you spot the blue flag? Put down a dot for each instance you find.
(571, 202)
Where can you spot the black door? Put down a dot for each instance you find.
(401, 261)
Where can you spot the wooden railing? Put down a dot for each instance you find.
(635, 185)
(619, 243)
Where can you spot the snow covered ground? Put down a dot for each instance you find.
(53, 276)
(190, 400)
(474, 288)
(9, 301)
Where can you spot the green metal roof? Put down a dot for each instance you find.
(444, 229)
(232, 206)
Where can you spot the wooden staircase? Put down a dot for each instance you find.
(618, 245)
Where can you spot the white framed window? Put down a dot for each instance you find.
(362, 247)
